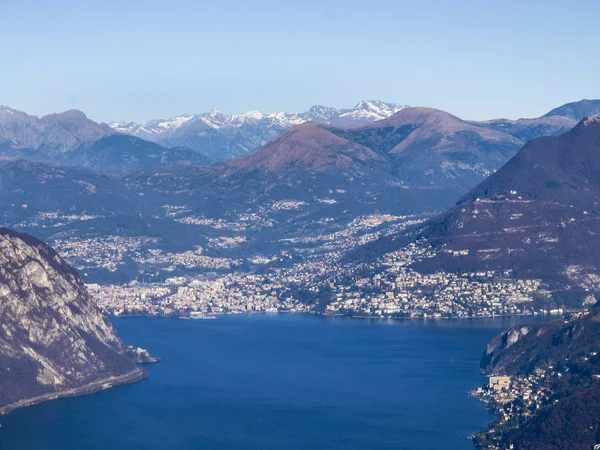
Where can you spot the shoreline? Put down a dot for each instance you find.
(333, 315)
(133, 376)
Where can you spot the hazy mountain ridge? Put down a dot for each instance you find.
(124, 153)
(52, 134)
(28, 188)
(577, 110)
(223, 136)
(70, 138)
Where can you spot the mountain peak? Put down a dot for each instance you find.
(223, 136)
(537, 215)
(374, 104)
(7, 109)
(71, 115)
(254, 114)
(576, 110)
(310, 147)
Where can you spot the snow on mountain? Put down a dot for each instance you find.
(224, 136)
(368, 111)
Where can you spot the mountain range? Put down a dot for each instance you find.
(70, 138)
(537, 218)
(416, 161)
(224, 136)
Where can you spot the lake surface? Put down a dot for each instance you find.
(279, 382)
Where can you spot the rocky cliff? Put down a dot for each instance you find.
(553, 402)
(54, 341)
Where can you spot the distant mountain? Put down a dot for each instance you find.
(54, 340)
(536, 217)
(577, 110)
(431, 147)
(311, 148)
(416, 147)
(223, 136)
(419, 159)
(52, 134)
(70, 138)
(527, 129)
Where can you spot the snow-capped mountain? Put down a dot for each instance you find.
(224, 136)
(367, 111)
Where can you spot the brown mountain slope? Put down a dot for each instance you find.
(538, 216)
(311, 147)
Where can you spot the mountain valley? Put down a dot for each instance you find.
(305, 205)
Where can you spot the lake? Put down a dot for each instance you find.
(279, 381)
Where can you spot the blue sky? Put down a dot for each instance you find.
(137, 60)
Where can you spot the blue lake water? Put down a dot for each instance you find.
(278, 382)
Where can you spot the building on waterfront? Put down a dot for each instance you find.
(499, 382)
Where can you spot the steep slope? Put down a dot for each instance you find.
(431, 147)
(524, 348)
(559, 363)
(576, 110)
(538, 216)
(53, 340)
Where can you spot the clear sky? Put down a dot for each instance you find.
(143, 59)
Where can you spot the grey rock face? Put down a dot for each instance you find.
(53, 338)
